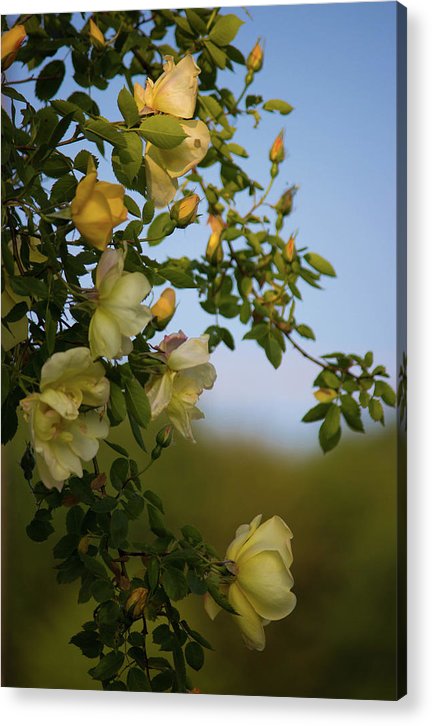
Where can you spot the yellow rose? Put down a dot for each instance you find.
(61, 434)
(259, 559)
(119, 313)
(11, 42)
(97, 208)
(174, 92)
(187, 374)
(70, 379)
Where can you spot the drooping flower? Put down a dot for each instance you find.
(118, 313)
(97, 208)
(259, 559)
(11, 42)
(62, 435)
(174, 92)
(60, 444)
(187, 373)
(164, 166)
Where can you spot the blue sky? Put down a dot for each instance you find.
(336, 64)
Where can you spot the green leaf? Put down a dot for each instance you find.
(351, 413)
(320, 264)
(154, 500)
(273, 351)
(132, 206)
(137, 402)
(108, 666)
(49, 80)
(104, 130)
(217, 55)
(88, 642)
(175, 583)
(225, 29)
(177, 277)
(116, 404)
(258, 332)
(331, 380)
(386, 392)
(161, 227)
(218, 597)
(29, 286)
(127, 159)
(305, 331)
(317, 413)
(376, 410)
(164, 132)
(102, 590)
(119, 472)
(194, 656)
(148, 211)
(118, 528)
(330, 431)
(275, 104)
(40, 527)
(128, 108)
(137, 680)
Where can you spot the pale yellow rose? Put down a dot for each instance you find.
(184, 212)
(60, 445)
(187, 374)
(11, 42)
(118, 311)
(174, 92)
(259, 559)
(164, 166)
(97, 208)
(70, 379)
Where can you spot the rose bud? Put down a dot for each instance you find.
(277, 151)
(289, 249)
(325, 395)
(184, 212)
(11, 42)
(96, 35)
(255, 58)
(164, 308)
(136, 601)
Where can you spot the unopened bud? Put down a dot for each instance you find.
(277, 151)
(184, 212)
(96, 35)
(157, 451)
(285, 203)
(325, 395)
(164, 308)
(214, 251)
(289, 249)
(255, 58)
(136, 602)
(164, 436)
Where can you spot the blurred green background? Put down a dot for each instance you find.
(339, 642)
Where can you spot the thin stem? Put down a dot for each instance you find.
(17, 258)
